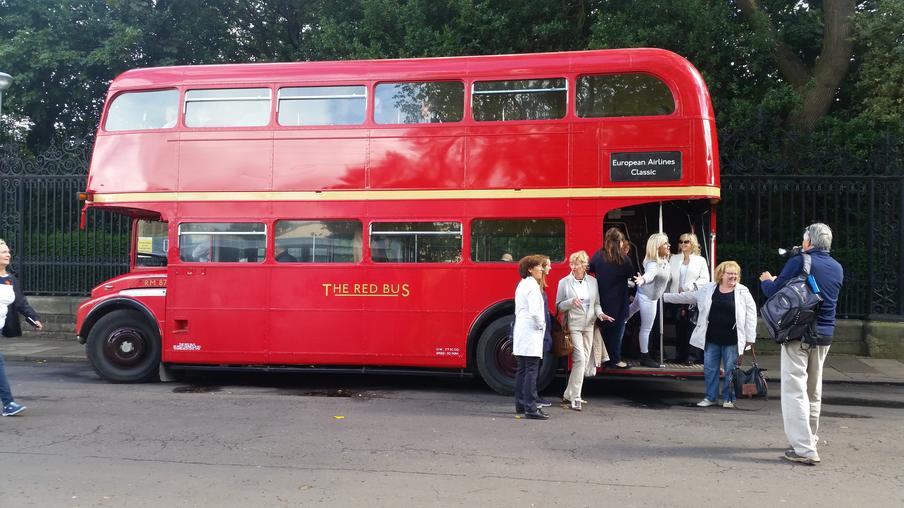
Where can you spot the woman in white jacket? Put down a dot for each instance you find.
(527, 336)
(578, 298)
(689, 272)
(726, 325)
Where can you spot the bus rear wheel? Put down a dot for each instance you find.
(496, 363)
(124, 347)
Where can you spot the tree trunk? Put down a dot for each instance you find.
(816, 86)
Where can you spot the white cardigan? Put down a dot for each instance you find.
(697, 272)
(745, 313)
(530, 319)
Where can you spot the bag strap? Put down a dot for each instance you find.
(807, 263)
(563, 321)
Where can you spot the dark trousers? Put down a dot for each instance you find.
(526, 383)
(683, 330)
(612, 336)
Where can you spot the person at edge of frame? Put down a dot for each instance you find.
(12, 303)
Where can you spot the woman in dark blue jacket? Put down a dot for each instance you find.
(612, 269)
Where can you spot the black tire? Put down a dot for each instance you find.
(497, 365)
(124, 347)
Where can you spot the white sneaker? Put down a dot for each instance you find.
(705, 403)
(728, 404)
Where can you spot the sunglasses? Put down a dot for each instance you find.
(684, 241)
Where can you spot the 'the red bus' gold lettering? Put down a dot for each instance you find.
(371, 289)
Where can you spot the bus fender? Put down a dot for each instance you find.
(483, 319)
(110, 305)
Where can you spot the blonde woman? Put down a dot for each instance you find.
(578, 299)
(651, 285)
(725, 327)
(689, 272)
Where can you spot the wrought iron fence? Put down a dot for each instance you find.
(39, 219)
(39, 214)
(759, 214)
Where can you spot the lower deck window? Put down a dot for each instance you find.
(326, 241)
(415, 242)
(222, 242)
(506, 240)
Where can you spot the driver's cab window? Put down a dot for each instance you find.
(151, 243)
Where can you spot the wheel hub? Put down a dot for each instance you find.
(125, 347)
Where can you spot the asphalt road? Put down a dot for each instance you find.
(301, 440)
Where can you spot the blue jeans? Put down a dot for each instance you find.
(6, 395)
(713, 355)
(612, 336)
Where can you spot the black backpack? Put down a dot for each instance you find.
(791, 312)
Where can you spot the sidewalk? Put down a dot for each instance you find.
(62, 347)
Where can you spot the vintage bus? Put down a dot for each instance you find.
(362, 215)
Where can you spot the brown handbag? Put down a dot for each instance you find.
(561, 338)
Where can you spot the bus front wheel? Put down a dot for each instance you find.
(496, 363)
(124, 348)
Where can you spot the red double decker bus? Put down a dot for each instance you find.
(363, 215)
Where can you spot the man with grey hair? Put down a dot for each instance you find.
(802, 360)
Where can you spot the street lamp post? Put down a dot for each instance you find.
(5, 81)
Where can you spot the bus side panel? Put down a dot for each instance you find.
(648, 135)
(137, 160)
(314, 160)
(216, 313)
(236, 161)
(317, 314)
(518, 156)
(414, 317)
(584, 161)
(417, 158)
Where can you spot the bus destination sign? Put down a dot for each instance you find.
(645, 166)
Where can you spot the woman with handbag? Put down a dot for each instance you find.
(527, 336)
(726, 325)
(11, 301)
(578, 299)
(688, 272)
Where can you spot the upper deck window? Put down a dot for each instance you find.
(227, 107)
(322, 105)
(143, 110)
(523, 99)
(623, 95)
(421, 102)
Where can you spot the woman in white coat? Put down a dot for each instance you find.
(726, 325)
(527, 336)
(688, 272)
(578, 298)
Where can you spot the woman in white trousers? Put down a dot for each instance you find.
(651, 285)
